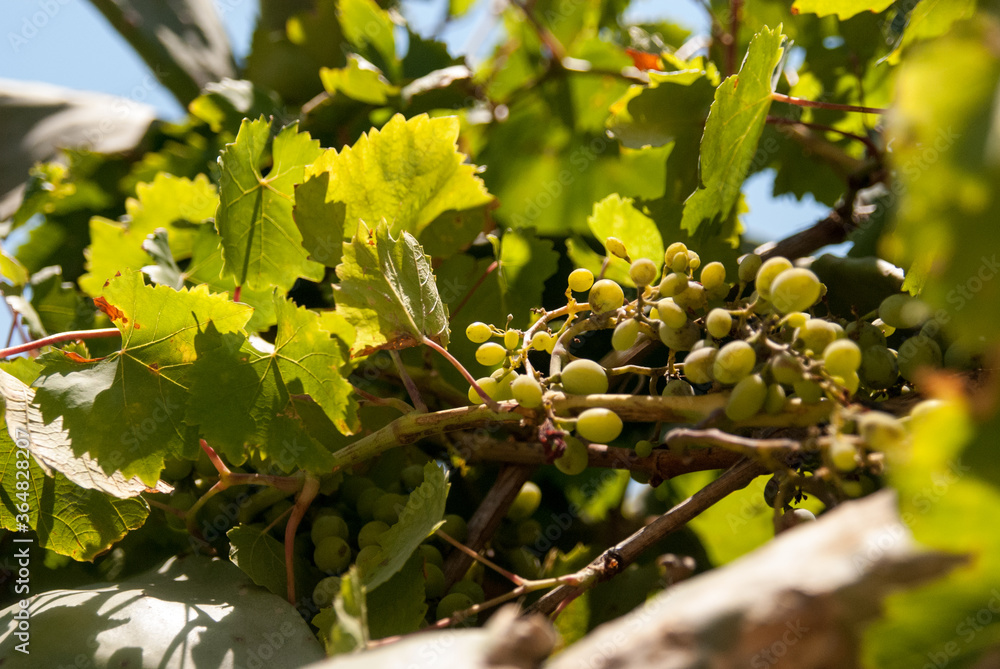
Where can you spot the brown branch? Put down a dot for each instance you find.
(818, 104)
(617, 558)
(869, 144)
(735, 7)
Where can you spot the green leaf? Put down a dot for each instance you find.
(732, 131)
(417, 521)
(408, 173)
(344, 626)
(617, 217)
(320, 222)
(126, 410)
(526, 263)
(931, 18)
(363, 84)
(59, 306)
(168, 202)
(370, 29)
(387, 292)
(260, 556)
(67, 519)
(843, 9)
(399, 605)
(261, 246)
(11, 269)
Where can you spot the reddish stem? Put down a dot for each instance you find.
(780, 120)
(461, 368)
(57, 338)
(308, 493)
(236, 293)
(799, 102)
(475, 287)
(734, 35)
(217, 462)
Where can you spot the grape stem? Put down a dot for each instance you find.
(393, 402)
(411, 387)
(489, 270)
(59, 338)
(487, 400)
(310, 488)
(817, 104)
(510, 576)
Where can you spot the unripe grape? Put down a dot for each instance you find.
(527, 392)
(599, 425)
(478, 332)
(574, 459)
(694, 260)
(489, 386)
(712, 275)
(455, 527)
(643, 448)
(490, 354)
(734, 361)
(879, 369)
(841, 357)
(718, 323)
(353, 486)
(747, 398)
(816, 334)
(808, 391)
(411, 476)
(698, 365)
(960, 355)
(616, 247)
(903, 311)
(865, 334)
(511, 338)
(434, 581)
(850, 382)
(795, 319)
(673, 250)
(452, 604)
(677, 388)
(768, 272)
(471, 589)
(540, 341)
(431, 555)
(749, 267)
(795, 289)
(642, 272)
(785, 369)
(368, 559)
(679, 263)
(370, 532)
(580, 280)
(693, 297)
(625, 334)
(366, 502)
(679, 340)
(328, 526)
(605, 296)
(671, 313)
(584, 377)
(388, 507)
(332, 554)
(526, 503)
(774, 403)
(843, 455)
(673, 284)
(504, 380)
(326, 591)
(880, 430)
(915, 353)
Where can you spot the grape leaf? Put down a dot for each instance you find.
(525, 264)
(69, 520)
(421, 516)
(320, 222)
(387, 292)
(735, 123)
(364, 84)
(399, 605)
(261, 247)
(11, 269)
(262, 557)
(615, 216)
(344, 626)
(407, 173)
(843, 9)
(370, 29)
(164, 203)
(126, 410)
(931, 18)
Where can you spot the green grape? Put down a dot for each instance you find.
(747, 398)
(916, 353)
(713, 275)
(673, 284)
(785, 369)
(679, 340)
(879, 369)
(616, 247)
(452, 604)
(478, 332)
(528, 532)
(771, 489)
(540, 341)
(511, 338)
(808, 391)
(795, 289)
(526, 391)
(470, 589)
(903, 311)
(490, 354)
(767, 273)
(962, 354)
(411, 476)
(796, 517)
(733, 362)
(679, 263)
(841, 357)
(678, 388)
(366, 502)
(642, 272)
(370, 532)
(718, 322)
(643, 448)
(774, 403)
(881, 431)
(673, 250)
(368, 559)
(580, 280)
(853, 489)
(850, 382)
(181, 500)
(843, 455)
(671, 313)
(598, 425)
(693, 297)
(505, 378)
(489, 386)
(749, 267)
(694, 260)
(527, 501)
(332, 554)
(574, 459)
(352, 488)
(865, 334)
(698, 365)
(584, 377)
(328, 526)
(388, 507)
(605, 296)
(795, 319)
(433, 581)
(175, 469)
(326, 591)
(625, 334)
(816, 334)
(431, 555)
(886, 329)
(455, 527)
